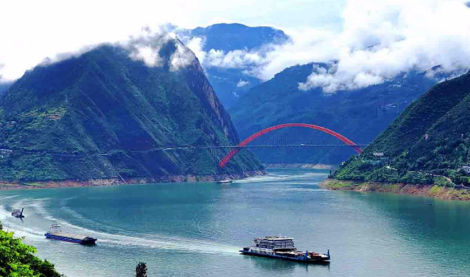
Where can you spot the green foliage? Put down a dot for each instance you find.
(17, 259)
(359, 114)
(104, 115)
(443, 113)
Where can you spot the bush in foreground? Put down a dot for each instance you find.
(17, 259)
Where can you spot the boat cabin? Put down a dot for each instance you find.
(275, 243)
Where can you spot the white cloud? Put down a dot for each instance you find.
(380, 39)
(32, 31)
(148, 55)
(196, 44)
(181, 58)
(242, 83)
(147, 45)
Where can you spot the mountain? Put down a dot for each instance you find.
(360, 114)
(4, 87)
(234, 36)
(231, 83)
(428, 143)
(104, 115)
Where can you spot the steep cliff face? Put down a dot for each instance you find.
(104, 115)
(428, 143)
(360, 114)
(230, 83)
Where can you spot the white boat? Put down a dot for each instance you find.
(283, 248)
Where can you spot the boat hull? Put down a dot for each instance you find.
(71, 239)
(300, 259)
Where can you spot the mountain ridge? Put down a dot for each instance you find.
(428, 144)
(117, 111)
(360, 114)
(229, 37)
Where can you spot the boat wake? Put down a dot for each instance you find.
(11, 224)
(114, 238)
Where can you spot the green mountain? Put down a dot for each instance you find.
(104, 115)
(231, 83)
(4, 87)
(428, 143)
(360, 115)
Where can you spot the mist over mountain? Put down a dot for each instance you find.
(218, 46)
(107, 113)
(358, 114)
(4, 87)
(430, 139)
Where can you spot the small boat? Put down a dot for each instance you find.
(55, 232)
(283, 248)
(227, 181)
(18, 213)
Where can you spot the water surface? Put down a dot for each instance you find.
(196, 229)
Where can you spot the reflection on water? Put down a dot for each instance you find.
(281, 266)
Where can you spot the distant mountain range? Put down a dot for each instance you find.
(234, 36)
(428, 143)
(103, 115)
(231, 83)
(359, 114)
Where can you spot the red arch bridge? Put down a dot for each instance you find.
(244, 144)
(235, 148)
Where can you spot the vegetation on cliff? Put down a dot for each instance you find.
(428, 143)
(230, 83)
(104, 115)
(359, 115)
(17, 259)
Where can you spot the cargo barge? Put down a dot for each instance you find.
(55, 232)
(283, 248)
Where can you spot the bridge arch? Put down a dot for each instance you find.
(344, 139)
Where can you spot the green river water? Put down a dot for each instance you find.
(196, 229)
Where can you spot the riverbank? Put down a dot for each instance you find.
(311, 166)
(439, 192)
(5, 185)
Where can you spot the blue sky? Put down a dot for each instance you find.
(405, 34)
(325, 14)
(33, 30)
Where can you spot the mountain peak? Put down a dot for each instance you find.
(106, 114)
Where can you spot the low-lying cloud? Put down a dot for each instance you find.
(147, 45)
(380, 39)
(242, 83)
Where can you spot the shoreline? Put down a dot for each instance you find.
(7, 185)
(311, 166)
(434, 191)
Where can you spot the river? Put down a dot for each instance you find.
(196, 229)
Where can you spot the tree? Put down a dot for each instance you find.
(17, 259)
(141, 270)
